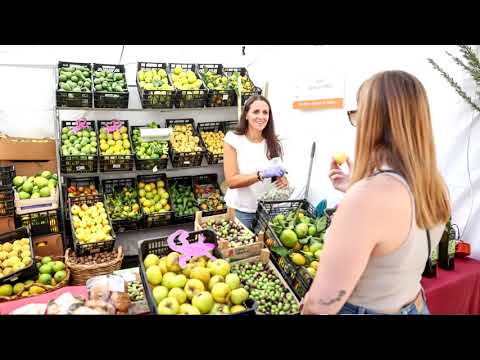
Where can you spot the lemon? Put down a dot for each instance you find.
(298, 259)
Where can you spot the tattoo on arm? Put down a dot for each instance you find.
(335, 299)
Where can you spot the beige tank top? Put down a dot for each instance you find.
(393, 280)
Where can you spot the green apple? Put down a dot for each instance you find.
(159, 293)
(188, 309)
(237, 308)
(167, 278)
(178, 294)
(150, 259)
(193, 287)
(219, 309)
(163, 264)
(168, 306)
(214, 280)
(238, 296)
(187, 270)
(317, 253)
(178, 281)
(233, 281)
(220, 293)
(220, 267)
(201, 274)
(203, 301)
(172, 262)
(154, 275)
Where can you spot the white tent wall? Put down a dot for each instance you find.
(27, 102)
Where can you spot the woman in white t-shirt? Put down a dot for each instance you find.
(247, 151)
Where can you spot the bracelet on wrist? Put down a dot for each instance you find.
(259, 176)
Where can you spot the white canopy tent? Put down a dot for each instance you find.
(27, 103)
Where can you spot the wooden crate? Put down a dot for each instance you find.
(264, 258)
(227, 252)
(33, 205)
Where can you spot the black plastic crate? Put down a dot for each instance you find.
(115, 162)
(94, 247)
(40, 222)
(109, 186)
(7, 173)
(243, 72)
(72, 98)
(267, 210)
(148, 164)
(230, 125)
(79, 182)
(183, 180)
(155, 99)
(211, 126)
(7, 206)
(216, 98)
(213, 180)
(184, 159)
(77, 164)
(157, 218)
(7, 193)
(189, 98)
(106, 99)
(159, 247)
(26, 272)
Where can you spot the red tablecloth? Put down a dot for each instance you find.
(456, 291)
(7, 307)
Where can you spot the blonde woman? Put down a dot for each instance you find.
(394, 211)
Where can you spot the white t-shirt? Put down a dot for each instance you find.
(251, 157)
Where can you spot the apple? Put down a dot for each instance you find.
(233, 281)
(172, 262)
(198, 261)
(219, 309)
(167, 278)
(178, 294)
(220, 267)
(188, 269)
(201, 274)
(193, 287)
(159, 293)
(237, 308)
(340, 157)
(220, 293)
(154, 275)
(317, 254)
(150, 259)
(163, 265)
(238, 296)
(203, 301)
(214, 280)
(188, 309)
(314, 264)
(178, 281)
(168, 306)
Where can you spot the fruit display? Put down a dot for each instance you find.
(300, 238)
(44, 184)
(50, 272)
(153, 196)
(135, 291)
(208, 197)
(75, 191)
(90, 223)
(231, 231)
(185, 79)
(215, 81)
(15, 256)
(74, 78)
(152, 149)
(246, 85)
(97, 258)
(184, 140)
(78, 142)
(266, 288)
(213, 141)
(114, 139)
(202, 287)
(40, 222)
(183, 200)
(155, 88)
(122, 203)
(154, 79)
(108, 80)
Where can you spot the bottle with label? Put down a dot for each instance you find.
(430, 270)
(446, 248)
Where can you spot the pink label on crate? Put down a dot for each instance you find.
(80, 124)
(188, 250)
(113, 125)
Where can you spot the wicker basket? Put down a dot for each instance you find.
(47, 288)
(79, 273)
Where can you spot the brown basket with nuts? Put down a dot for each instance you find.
(83, 268)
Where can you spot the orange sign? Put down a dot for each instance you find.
(336, 103)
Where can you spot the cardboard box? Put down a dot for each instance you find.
(48, 245)
(31, 168)
(15, 148)
(7, 224)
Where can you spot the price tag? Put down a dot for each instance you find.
(220, 161)
(80, 167)
(225, 97)
(155, 169)
(116, 166)
(186, 162)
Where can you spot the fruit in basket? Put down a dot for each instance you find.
(215, 280)
(114, 143)
(214, 81)
(238, 296)
(246, 84)
(91, 223)
(60, 276)
(74, 190)
(219, 267)
(154, 275)
(15, 256)
(213, 141)
(151, 259)
(172, 262)
(184, 140)
(45, 279)
(203, 301)
(6, 290)
(237, 308)
(219, 309)
(193, 287)
(153, 197)
(74, 78)
(288, 238)
(209, 197)
(36, 186)
(149, 150)
(122, 203)
(153, 79)
(185, 79)
(79, 142)
(202, 274)
(188, 309)
(18, 288)
(109, 81)
(298, 259)
(178, 294)
(233, 281)
(159, 293)
(168, 306)
(183, 199)
(221, 293)
(231, 231)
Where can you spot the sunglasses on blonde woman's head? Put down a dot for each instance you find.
(352, 116)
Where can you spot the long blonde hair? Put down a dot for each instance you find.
(394, 128)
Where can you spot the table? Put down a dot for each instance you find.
(455, 292)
